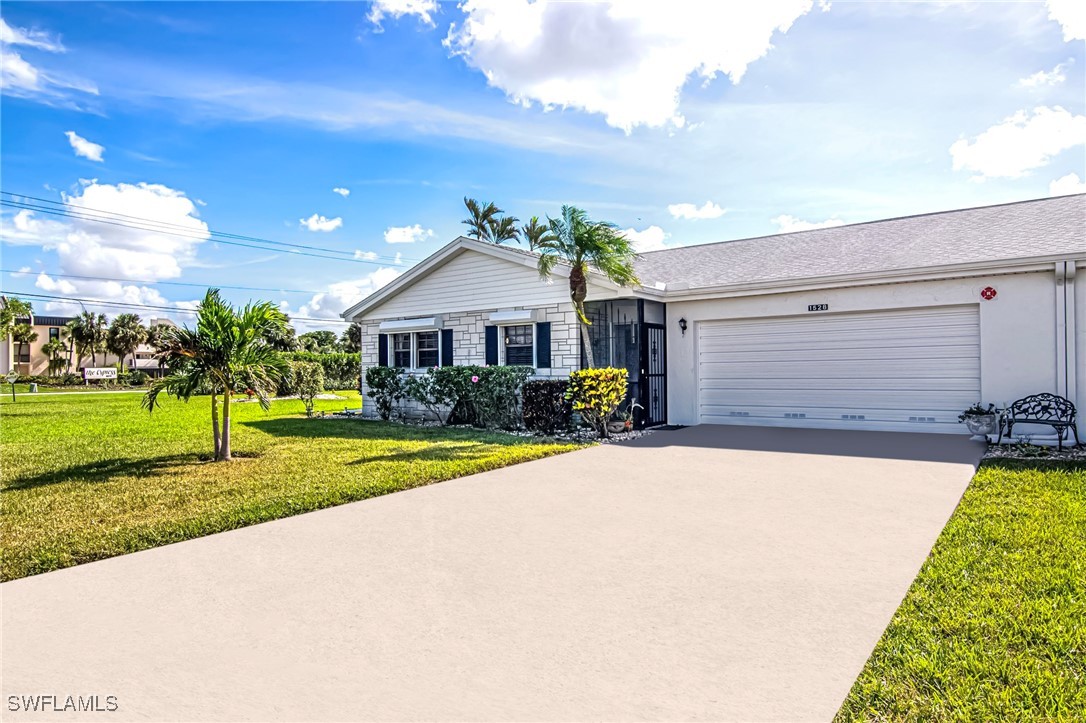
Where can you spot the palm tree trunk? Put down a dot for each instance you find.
(224, 447)
(71, 348)
(215, 422)
(587, 340)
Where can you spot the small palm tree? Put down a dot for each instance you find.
(23, 335)
(126, 333)
(486, 223)
(585, 245)
(228, 353)
(534, 232)
(53, 349)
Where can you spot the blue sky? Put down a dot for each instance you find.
(681, 122)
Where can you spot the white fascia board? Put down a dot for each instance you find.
(429, 323)
(522, 316)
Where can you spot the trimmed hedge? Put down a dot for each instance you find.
(546, 408)
(341, 371)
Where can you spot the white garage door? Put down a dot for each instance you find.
(911, 370)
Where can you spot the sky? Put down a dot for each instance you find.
(309, 153)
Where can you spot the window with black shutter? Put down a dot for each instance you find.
(426, 351)
(401, 350)
(518, 345)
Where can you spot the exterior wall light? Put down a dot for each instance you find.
(682, 325)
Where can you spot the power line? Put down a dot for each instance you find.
(132, 305)
(161, 283)
(153, 226)
(91, 213)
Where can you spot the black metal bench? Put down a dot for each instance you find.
(1050, 409)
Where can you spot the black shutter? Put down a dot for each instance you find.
(382, 350)
(543, 345)
(491, 345)
(446, 347)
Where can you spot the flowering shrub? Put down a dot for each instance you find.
(438, 390)
(386, 386)
(597, 394)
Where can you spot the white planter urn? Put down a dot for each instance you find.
(982, 425)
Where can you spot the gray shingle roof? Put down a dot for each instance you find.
(1027, 229)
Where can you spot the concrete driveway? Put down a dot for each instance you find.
(709, 573)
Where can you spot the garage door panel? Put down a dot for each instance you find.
(913, 369)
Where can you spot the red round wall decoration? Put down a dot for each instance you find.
(988, 293)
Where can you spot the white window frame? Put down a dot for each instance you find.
(501, 340)
(413, 366)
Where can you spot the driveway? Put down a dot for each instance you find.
(709, 573)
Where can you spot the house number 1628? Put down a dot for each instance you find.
(818, 307)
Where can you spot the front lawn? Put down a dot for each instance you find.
(85, 477)
(994, 626)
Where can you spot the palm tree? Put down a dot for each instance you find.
(229, 353)
(53, 350)
(351, 339)
(534, 232)
(90, 334)
(486, 223)
(585, 245)
(68, 332)
(156, 338)
(125, 335)
(11, 310)
(23, 335)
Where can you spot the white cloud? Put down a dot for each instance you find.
(1071, 15)
(1020, 143)
(788, 224)
(1067, 185)
(407, 234)
(342, 191)
(396, 9)
(650, 239)
(625, 60)
(31, 38)
(320, 223)
(691, 211)
(85, 247)
(1056, 76)
(365, 255)
(85, 148)
(345, 294)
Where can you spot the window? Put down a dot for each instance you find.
(518, 345)
(426, 349)
(401, 350)
(54, 333)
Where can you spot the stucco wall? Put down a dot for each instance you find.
(470, 346)
(1018, 329)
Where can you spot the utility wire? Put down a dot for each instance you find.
(86, 210)
(132, 305)
(14, 272)
(183, 232)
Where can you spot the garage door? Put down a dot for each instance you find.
(911, 370)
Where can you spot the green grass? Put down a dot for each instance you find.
(85, 477)
(994, 626)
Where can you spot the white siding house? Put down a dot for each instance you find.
(890, 325)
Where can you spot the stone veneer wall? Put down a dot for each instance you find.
(469, 345)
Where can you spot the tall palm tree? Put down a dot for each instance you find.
(486, 223)
(156, 338)
(11, 310)
(585, 245)
(67, 333)
(227, 352)
(90, 334)
(126, 333)
(534, 232)
(23, 335)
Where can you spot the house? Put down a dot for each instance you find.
(889, 325)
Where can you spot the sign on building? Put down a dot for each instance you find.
(106, 373)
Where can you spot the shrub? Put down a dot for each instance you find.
(307, 381)
(597, 394)
(136, 378)
(69, 379)
(341, 371)
(386, 389)
(437, 390)
(496, 396)
(546, 408)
